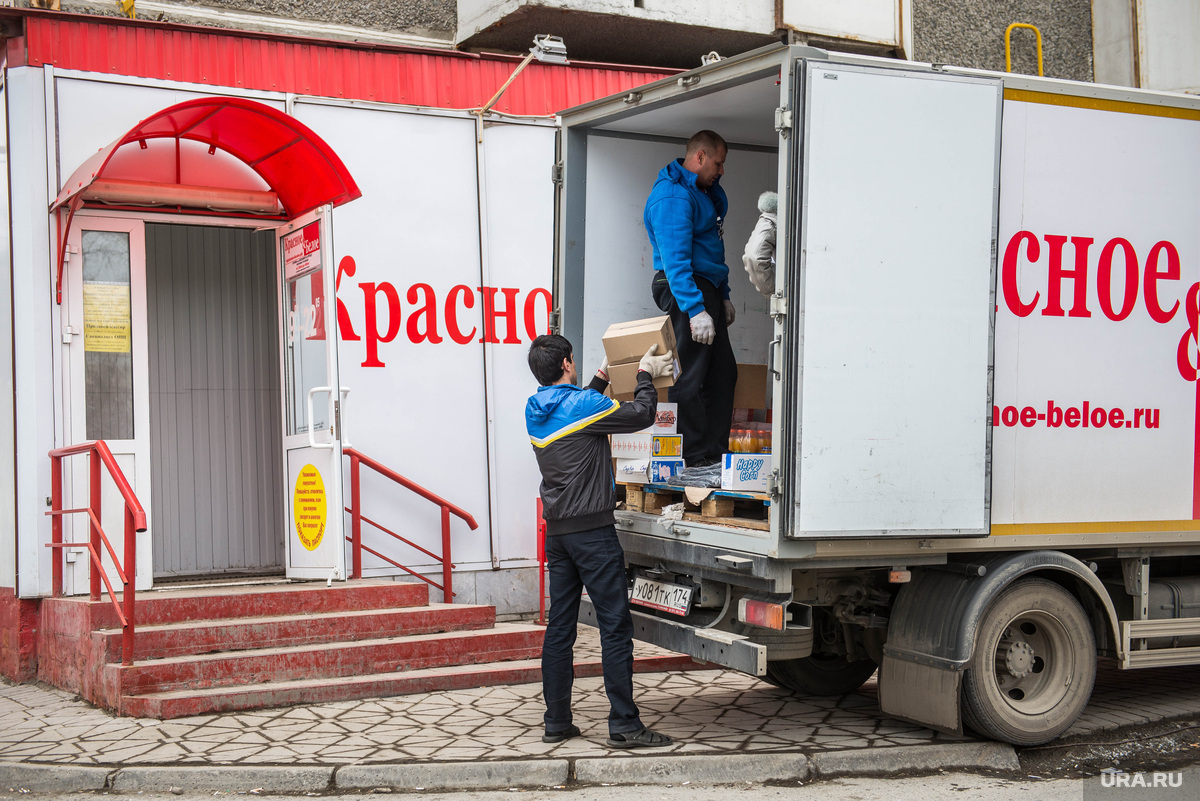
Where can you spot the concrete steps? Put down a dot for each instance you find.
(194, 649)
(216, 649)
(163, 640)
(176, 704)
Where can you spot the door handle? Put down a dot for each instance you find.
(312, 439)
(344, 392)
(776, 342)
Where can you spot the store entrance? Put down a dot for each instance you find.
(215, 405)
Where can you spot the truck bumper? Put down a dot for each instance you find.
(706, 645)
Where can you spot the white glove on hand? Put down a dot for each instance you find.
(730, 312)
(704, 330)
(602, 370)
(657, 366)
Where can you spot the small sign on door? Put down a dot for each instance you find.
(302, 250)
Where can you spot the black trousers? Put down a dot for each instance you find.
(704, 390)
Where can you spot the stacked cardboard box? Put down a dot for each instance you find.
(653, 455)
(626, 343)
(748, 472)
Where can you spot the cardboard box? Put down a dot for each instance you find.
(661, 470)
(666, 419)
(745, 472)
(645, 470)
(751, 389)
(643, 445)
(631, 471)
(623, 380)
(628, 342)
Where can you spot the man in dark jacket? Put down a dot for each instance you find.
(685, 218)
(569, 429)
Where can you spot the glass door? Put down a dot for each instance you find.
(105, 387)
(312, 445)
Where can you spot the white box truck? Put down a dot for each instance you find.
(983, 361)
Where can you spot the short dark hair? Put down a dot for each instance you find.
(546, 356)
(708, 141)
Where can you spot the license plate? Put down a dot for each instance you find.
(661, 595)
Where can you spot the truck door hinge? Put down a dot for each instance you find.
(67, 251)
(783, 120)
(773, 481)
(556, 173)
(779, 305)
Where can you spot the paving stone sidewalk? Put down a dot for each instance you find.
(707, 712)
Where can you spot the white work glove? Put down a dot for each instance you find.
(602, 370)
(730, 312)
(657, 366)
(704, 330)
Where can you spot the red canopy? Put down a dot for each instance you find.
(223, 143)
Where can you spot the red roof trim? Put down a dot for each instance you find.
(349, 70)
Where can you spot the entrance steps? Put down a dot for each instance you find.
(218, 649)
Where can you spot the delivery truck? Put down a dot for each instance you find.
(981, 369)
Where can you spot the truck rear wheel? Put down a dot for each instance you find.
(1034, 665)
(820, 674)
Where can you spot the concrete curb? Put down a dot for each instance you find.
(455, 775)
(51, 778)
(225, 778)
(915, 758)
(643, 768)
(697, 769)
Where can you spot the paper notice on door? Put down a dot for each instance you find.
(302, 251)
(106, 326)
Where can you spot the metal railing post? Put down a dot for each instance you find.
(355, 519)
(94, 506)
(130, 593)
(56, 525)
(447, 589)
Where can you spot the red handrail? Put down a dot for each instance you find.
(135, 521)
(357, 518)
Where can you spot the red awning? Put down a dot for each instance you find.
(217, 149)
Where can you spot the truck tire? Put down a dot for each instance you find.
(820, 674)
(1033, 667)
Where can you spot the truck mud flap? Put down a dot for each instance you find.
(706, 645)
(920, 693)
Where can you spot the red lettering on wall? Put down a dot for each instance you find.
(490, 313)
(393, 311)
(1104, 279)
(1153, 275)
(1077, 275)
(1008, 275)
(531, 328)
(1189, 368)
(426, 312)
(345, 327)
(452, 313)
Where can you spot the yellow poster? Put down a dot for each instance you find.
(308, 507)
(106, 318)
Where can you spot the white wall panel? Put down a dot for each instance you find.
(1095, 176)
(519, 196)
(421, 410)
(92, 114)
(898, 224)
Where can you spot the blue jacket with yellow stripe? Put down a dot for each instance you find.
(569, 429)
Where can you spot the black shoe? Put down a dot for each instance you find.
(643, 738)
(559, 736)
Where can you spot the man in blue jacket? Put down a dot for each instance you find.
(685, 217)
(569, 429)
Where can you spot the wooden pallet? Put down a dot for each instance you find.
(721, 507)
